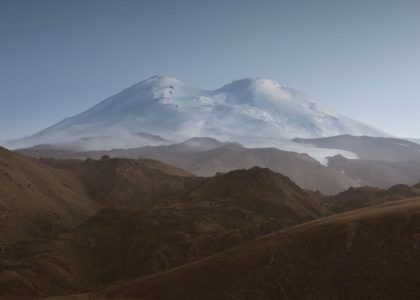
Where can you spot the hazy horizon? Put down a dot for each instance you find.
(58, 58)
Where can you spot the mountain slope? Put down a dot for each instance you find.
(370, 253)
(118, 182)
(119, 243)
(37, 200)
(355, 198)
(250, 111)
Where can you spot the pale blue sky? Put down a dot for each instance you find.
(59, 57)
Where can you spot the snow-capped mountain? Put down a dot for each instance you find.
(252, 111)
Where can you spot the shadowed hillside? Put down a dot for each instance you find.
(37, 200)
(138, 228)
(355, 198)
(145, 236)
(366, 254)
(128, 182)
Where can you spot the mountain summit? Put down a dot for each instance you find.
(252, 111)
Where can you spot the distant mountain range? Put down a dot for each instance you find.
(252, 111)
(207, 156)
(383, 161)
(371, 148)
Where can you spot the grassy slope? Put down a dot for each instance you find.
(371, 253)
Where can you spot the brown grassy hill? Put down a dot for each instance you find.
(355, 198)
(372, 253)
(262, 190)
(116, 243)
(219, 213)
(41, 198)
(128, 182)
(37, 200)
(160, 223)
